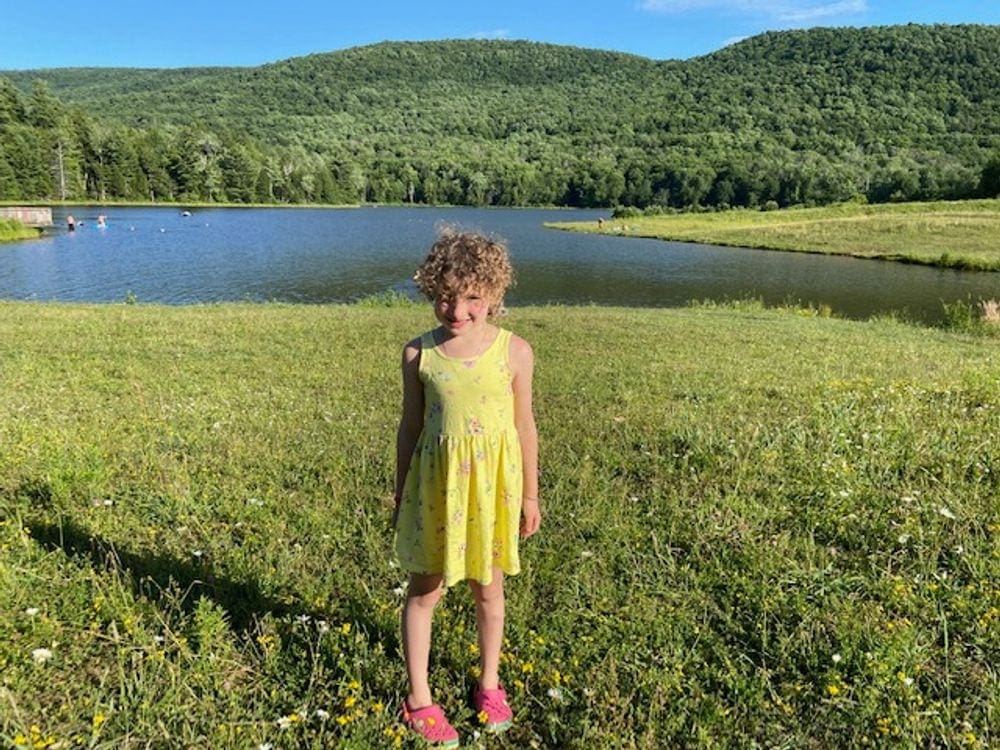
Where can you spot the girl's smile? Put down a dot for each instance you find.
(461, 312)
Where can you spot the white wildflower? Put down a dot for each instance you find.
(265, 746)
(946, 512)
(284, 722)
(836, 658)
(41, 655)
(586, 553)
(323, 626)
(31, 611)
(322, 715)
(198, 552)
(302, 619)
(555, 693)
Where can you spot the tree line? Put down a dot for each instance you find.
(785, 118)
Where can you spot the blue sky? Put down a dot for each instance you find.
(134, 33)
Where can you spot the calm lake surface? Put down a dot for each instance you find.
(339, 255)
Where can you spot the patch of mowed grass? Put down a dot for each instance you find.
(950, 234)
(761, 528)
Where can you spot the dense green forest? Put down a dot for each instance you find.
(784, 118)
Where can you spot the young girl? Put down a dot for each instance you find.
(466, 467)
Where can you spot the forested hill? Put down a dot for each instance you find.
(816, 116)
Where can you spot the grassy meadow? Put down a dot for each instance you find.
(954, 234)
(763, 528)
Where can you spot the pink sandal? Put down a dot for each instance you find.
(493, 709)
(430, 723)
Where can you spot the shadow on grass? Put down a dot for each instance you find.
(165, 579)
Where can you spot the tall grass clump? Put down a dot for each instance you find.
(12, 229)
(762, 529)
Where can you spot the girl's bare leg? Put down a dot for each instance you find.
(489, 619)
(422, 596)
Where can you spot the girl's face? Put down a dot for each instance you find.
(461, 312)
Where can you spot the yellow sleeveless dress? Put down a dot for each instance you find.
(461, 506)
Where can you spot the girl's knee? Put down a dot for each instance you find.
(425, 591)
(488, 593)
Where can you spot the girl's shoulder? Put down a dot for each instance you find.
(413, 347)
(519, 351)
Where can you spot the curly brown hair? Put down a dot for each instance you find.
(459, 262)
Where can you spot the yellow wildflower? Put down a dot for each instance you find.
(483, 717)
(832, 690)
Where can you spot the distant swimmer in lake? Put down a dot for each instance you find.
(70, 223)
(102, 221)
(185, 213)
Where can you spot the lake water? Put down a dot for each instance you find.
(311, 255)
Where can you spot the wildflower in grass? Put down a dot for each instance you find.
(302, 619)
(946, 512)
(399, 591)
(97, 721)
(286, 721)
(377, 707)
(345, 628)
(833, 690)
(586, 553)
(483, 717)
(353, 685)
(31, 611)
(323, 626)
(836, 658)
(350, 701)
(527, 667)
(265, 746)
(322, 715)
(41, 655)
(555, 693)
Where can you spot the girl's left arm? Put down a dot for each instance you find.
(523, 365)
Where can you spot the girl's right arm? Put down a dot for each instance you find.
(412, 420)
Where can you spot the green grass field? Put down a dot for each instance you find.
(763, 528)
(958, 234)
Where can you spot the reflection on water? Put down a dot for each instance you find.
(334, 255)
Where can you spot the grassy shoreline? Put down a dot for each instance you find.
(762, 527)
(957, 234)
(12, 230)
